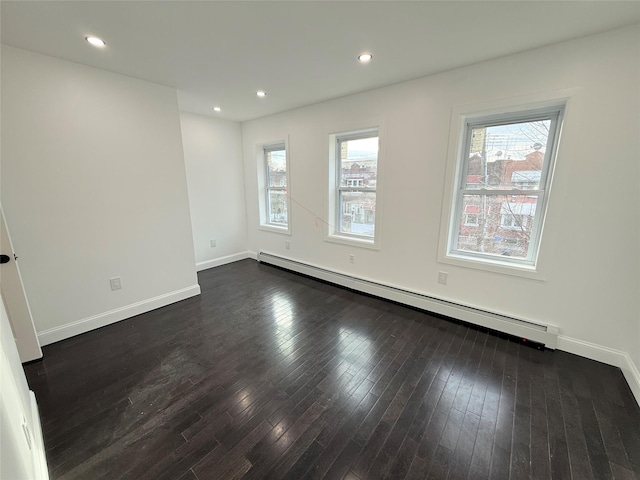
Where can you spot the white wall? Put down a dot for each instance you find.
(93, 187)
(213, 159)
(589, 254)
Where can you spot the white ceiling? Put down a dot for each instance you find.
(299, 52)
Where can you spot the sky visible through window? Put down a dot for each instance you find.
(362, 148)
(278, 160)
(510, 142)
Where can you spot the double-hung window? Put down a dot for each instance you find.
(355, 168)
(502, 186)
(276, 201)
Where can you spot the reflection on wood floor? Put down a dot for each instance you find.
(273, 375)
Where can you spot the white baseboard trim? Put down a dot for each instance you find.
(72, 329)
(610, 356)
(546, 334)
(216, 262)
(537, 332)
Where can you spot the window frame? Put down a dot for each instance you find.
(463, 120)
(265, 187)
(336, 190)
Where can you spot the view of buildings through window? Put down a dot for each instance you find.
(357, 170)
(275, 157)
(501, 190)
(502, 187)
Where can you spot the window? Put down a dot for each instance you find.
(355, 168)
(276, 201)
(503, 185)
(513, 221)
(471, 219)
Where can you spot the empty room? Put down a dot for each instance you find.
(320, 240)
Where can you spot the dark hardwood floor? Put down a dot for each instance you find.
(273, 375)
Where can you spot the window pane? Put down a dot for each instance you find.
(496, 224)
(277, 207)
(357, 213)
(507, 156)
(358, 162)
(277, 168)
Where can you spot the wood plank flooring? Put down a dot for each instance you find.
(271, 375)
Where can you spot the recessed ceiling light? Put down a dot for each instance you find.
(261, 93)
(365, 57)
(217, 109)
(95, 41)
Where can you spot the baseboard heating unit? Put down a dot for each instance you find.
(546, 335)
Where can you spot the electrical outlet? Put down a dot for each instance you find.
(287, 244)
(115, 283)
(442, 278)
(212, 243)
(352, 258)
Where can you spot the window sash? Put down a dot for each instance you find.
(340, 190)
(270, 206)
(356, 189)
(541, 194)
(276, 188)
(553, 115)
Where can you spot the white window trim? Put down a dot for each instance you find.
(331, 204)
(262, 188)
(457, 143)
